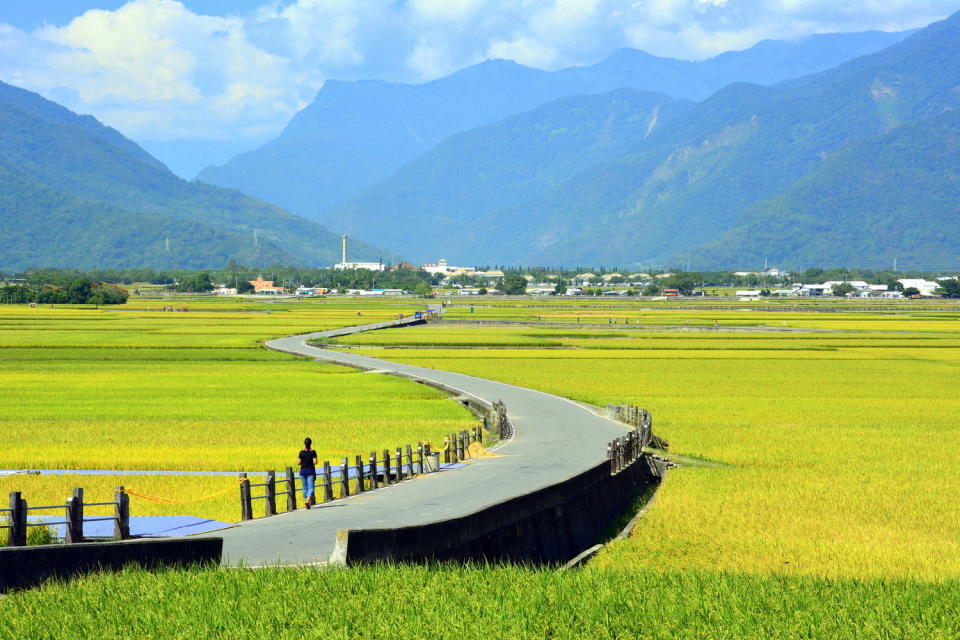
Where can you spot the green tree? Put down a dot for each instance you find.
(842, 289)
(195, 283)
(910, 291)
(423, 289)
(513, 284)
(685, 283)
(560, 289)
(950, 288)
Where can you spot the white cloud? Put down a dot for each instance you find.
(157, 70)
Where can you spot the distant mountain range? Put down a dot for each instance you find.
(357, 133)
(74, 193)
(636, 160)
(854, 165)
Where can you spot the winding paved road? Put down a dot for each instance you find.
(555, 439)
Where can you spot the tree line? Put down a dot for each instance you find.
(62, 290)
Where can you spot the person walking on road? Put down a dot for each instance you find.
(308, 471)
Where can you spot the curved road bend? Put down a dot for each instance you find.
(555, 439)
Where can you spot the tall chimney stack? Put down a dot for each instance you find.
(343, 249)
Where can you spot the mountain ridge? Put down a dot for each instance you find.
(68, 181)
(356, 133)
(693, 179)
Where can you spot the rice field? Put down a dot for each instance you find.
(827, 454)
(477, 602)
(816, 496)
(196, 391)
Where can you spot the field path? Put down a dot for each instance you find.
(555, 439)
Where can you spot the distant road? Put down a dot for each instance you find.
(555, 439)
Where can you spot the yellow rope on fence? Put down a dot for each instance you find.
(144, 496)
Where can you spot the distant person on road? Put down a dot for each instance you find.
(308, 471)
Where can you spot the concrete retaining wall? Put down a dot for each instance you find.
(548, 526)
(30, 566)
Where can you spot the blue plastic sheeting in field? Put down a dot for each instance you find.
(141, 526)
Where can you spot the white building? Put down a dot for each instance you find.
(370, 266)
(343, 264)
(441, 267)
(925, 287)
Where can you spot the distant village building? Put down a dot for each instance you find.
(772, 272)
(440, 267)
(312, 291)
(343, 264)
(490, 275)
(370, 266)
(925, 287)
(265, 287)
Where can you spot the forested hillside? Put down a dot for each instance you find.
(76, 193)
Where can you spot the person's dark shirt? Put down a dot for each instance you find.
(307, 456)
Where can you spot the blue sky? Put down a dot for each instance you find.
(235, 71)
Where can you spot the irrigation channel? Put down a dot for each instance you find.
(555, 439)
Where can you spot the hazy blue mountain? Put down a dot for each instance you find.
(187, 158)
(356, 133)
(689, 181)
(439, 203)
(74, 190)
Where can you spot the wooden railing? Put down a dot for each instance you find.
(500, 421)
(627, 449)
(17, 524)
(359, 475)
(641, 420)
(624, 451)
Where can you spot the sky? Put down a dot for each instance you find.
(235, 71)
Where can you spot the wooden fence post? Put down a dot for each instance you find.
(75, 517)
(291, 490)
(271, 508)
(374, 480)
(409, 460)
(420, 458)
(121, 527)
(610, 457)
(18, 521)
(345, 478)
(360, 473)
(446, 448)
(327, 482)
(386, 467)
(246, 504)
(399, 464)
